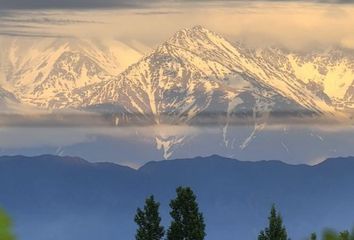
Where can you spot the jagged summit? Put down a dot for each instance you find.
(202, 41)
(196, 32)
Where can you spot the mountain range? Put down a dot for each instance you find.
(195, 78)
(51, 197)
(195, 71)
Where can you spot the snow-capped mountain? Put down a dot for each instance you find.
(196, 73)
(329, 73)
(44, 72)
(196, 77)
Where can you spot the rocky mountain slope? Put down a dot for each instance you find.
(6, 99)
(44, 72)
(196, 73)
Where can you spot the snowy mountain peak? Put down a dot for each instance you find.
(193, 33)
(185, 31)
(45, 72)
(198, 38)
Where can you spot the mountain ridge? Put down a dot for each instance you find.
(213, 157)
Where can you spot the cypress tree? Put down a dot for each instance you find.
(187, 222)
(5, 227)
(148, 221)
(275, 230)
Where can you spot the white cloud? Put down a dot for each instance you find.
(294, 25)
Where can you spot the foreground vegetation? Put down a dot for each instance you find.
(188, 222)
(333, 235)
(5, 227)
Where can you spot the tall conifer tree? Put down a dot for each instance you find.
(187, 222)
(275, 229)
(148, 221)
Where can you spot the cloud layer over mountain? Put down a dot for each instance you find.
(293, 23)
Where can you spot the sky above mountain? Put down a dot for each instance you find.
(295, 24)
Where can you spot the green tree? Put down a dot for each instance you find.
(148, 221)
(187, 222)
(329, 234)
(313, 236)
(345, 235)
(275, 230)
(5, 227)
